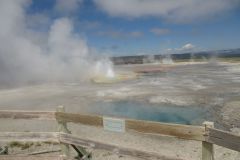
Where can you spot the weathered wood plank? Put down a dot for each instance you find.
(224, 139)
(44, 152)
(27, 115)
(176, 130)
(70, 139)
(29, 136)
(80, 118)
(147, 127)
(11, 157)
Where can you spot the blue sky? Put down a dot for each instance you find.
(148, 26)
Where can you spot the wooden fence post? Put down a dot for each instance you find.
(207, 148)
(62, 127)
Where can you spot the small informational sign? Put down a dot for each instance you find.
(114, 124)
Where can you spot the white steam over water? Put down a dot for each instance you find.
(104, 68)
(167, 60)
(30, 56)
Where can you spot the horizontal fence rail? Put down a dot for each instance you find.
(176, 130)
(80, 118)
(29, 136)
(31, 115)
(27, 157)
(146, 127)
(223, 138)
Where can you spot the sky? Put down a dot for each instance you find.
(134, 27)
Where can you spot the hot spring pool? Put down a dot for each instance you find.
(153, 112)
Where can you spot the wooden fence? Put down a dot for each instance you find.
(207, 134)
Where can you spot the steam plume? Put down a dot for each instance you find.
(29, 56)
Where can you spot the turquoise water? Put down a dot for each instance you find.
(153, 112)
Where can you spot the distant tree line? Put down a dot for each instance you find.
(140, 59)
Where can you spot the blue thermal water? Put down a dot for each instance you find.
(153, 112)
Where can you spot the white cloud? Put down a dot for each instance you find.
(173, 10)
(185, 48)
(160, 31)
(67, 6)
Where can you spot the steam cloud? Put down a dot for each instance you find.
(29, 56)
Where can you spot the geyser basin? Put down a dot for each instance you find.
(104, 73)
(118, 77)
(145, 111)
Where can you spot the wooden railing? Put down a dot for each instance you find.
(207, 134)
